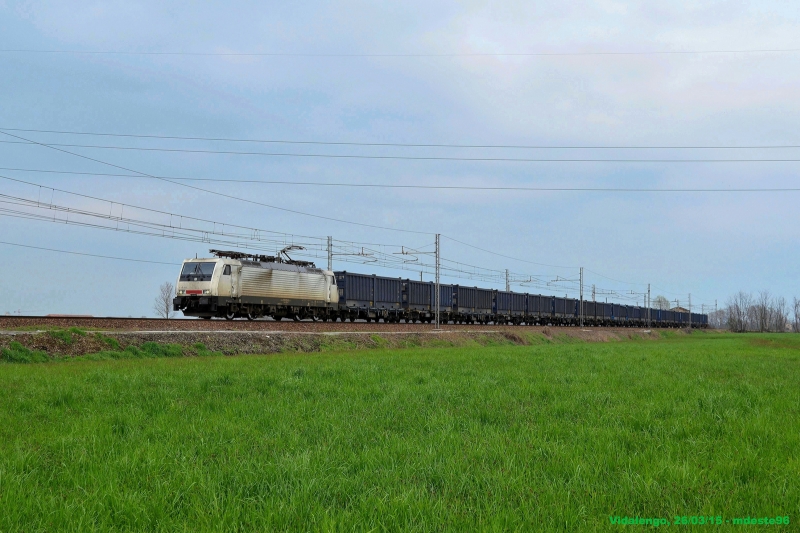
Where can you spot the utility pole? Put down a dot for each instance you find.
(580, 309)
(508, 285)
(690, 310)
(437, 281)
(330, 253)
(593, 292)
(648, 305)
(420, 275)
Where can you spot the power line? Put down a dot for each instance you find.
(174, 264)
(158, 211)
(374, 226)
(349, 252)
(364, 255)
(612, 279)
(506, 256)
(392, 157)
(543, 264)
(88, 255)
(250, 201)
(427, 187)
(450, 268)
(443, 55)
(404, 145)
(176, 227)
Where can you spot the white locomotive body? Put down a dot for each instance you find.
(233, 287)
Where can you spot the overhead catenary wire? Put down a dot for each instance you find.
(389, 157)
(374, 226)
(88, 254)
(178, 223)
(227, 238)
(450, 268)
(456, 272)
(506, 256)
(402, 55)
(425, 187)
(157, 211)
(408, 145)
(29, 141)
(130, 259)
(257, 234)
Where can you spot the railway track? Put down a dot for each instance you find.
(180, 324)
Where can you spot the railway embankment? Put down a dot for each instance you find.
(57, 343)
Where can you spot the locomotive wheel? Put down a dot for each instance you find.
(251, 315)
(230, 315)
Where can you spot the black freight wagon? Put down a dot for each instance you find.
(472, 304)
(446, 299)
(604, 313)
(418, 299)
(509, 306)
(617, 314)
(571, 307)
(484, 303)
(563, 310)
(635, 314)
(539, 309)
(589, 310)
(369, 296)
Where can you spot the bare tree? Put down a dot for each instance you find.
(162, 304)
(779, 314)
(660, 302)
(718, 319)
(739, 310)
(761, 311)
(796, 315)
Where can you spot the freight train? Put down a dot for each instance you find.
(237, 285)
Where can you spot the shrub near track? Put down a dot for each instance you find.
(547, 438)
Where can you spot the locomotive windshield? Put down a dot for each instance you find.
(197, 271)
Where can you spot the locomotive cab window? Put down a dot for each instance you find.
(226, 271)
(195, 271)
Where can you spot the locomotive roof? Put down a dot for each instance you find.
(281, 266)
(260, 264)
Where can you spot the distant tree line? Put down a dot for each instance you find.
(761, 312)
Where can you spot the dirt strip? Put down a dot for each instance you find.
(191, 324)
(80, 342)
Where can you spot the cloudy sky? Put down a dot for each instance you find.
(402, 73)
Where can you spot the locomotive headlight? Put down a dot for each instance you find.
(181, 292)
(206, 291)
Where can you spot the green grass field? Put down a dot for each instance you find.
(552, 437)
